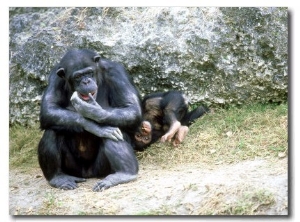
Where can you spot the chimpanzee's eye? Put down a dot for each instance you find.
(78, 77)
(90, 74)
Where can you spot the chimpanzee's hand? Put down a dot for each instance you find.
(109, 132)
(91, 109)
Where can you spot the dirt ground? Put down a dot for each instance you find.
(194, 189)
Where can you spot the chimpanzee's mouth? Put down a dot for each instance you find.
(86, 97)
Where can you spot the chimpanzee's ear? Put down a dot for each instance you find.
(61, 72)
(96, 58)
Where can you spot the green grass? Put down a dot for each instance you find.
(23, 142)
(227, 136)
(221, 136)
(250, 203)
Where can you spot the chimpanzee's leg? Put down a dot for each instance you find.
(191, 116)
(174, 109)
(172, 122)
(50, 155)
(122, 161)
(180, 135)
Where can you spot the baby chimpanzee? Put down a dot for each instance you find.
(165, 116)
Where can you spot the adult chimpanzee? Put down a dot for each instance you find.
(88, 111)
(165, 116)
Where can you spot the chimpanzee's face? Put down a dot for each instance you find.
(80, 70)
(143, 135)
(84, 82)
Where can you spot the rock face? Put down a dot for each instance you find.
(215, 55)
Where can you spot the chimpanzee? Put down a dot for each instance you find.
(165, 116)
(88, 111)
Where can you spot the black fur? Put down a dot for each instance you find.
(88, 135)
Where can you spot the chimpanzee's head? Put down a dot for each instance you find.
(80, 70)
(143, 135)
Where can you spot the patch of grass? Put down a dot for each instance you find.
(23, 142)
(163, 210)
(227, 136)
(50, 200)
(252, 201)
(221, 136)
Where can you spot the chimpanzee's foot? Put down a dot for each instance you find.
(65, 182)
(180, 135)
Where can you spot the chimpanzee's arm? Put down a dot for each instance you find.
(124, 104)
(124, 116)
(54, 115)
